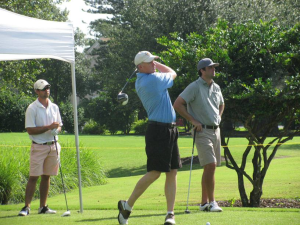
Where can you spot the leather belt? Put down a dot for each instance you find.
(162, 124)
(46, 143)
(210, 127)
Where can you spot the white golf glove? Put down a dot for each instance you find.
(54, 132)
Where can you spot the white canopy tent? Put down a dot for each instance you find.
(23, 37)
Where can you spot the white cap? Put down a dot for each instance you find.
(144, 56)
(40, 84)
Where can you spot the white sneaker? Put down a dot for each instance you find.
(24, 211)
(204, 207)
(213, 207)
(123, 212)
(46, 210)
(170, 219)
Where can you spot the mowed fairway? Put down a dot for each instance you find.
(124, 159)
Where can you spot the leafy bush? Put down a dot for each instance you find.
(14, 172)
(92, 127)
(12, 111)
(140, 126)
(106, 110)
(67, 116)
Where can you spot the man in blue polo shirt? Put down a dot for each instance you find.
(161, 135)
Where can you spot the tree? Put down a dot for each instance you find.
(134, 27)
(136, 24)
(259, 77)
(106, 111)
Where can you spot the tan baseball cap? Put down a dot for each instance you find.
(40, 84)
(144, 56)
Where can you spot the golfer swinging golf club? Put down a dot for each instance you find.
(161, 135)
(42, 122)
(202, 104)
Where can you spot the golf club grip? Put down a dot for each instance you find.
(195, 132)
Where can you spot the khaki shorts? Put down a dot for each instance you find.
(44, 160)
(208, 143)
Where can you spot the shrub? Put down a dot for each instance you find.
(140, 126)
(92, 127)
(12, 111)
(14, 172)
(67, 116)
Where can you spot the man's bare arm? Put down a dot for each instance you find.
(180, 107)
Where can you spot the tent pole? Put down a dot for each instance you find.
(76, 133)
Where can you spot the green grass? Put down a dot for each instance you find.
(124, 158)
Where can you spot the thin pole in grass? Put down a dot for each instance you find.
(67, 213)
(187, 211)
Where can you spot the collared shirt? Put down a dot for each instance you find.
(203, 101)
(152, 90)
(37, 116)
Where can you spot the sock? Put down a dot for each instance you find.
(170, 212)
(128, 207)
(204, 204)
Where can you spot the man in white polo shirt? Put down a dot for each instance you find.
(42, 122)
(205, 105)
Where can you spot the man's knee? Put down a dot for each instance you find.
(33, 179)
(154, 174)
(210, 167)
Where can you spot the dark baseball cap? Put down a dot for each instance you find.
(206, 62)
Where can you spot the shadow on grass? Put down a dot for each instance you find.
(111, 218)
(132, 216)
(290, 147)
(127, 172)
(6, 217)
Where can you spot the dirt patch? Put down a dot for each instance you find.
(265, 203)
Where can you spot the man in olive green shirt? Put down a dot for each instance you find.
(202, 104)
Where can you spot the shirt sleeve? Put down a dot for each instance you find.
(30, 118)
(221, 99)
(189, 93)
(166, 80)
(58, 117)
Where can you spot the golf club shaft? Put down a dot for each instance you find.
(128, 80)
(61, 175)
(187, 201)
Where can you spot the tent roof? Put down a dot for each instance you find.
(23, 37)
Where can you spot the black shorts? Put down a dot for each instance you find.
(162, 148)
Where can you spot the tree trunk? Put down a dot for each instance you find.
(244, 198)
(255, 195)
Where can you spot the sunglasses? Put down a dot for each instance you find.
(45, 88)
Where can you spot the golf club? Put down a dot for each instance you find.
(123, 97)
(67, 213)
(187, 211)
